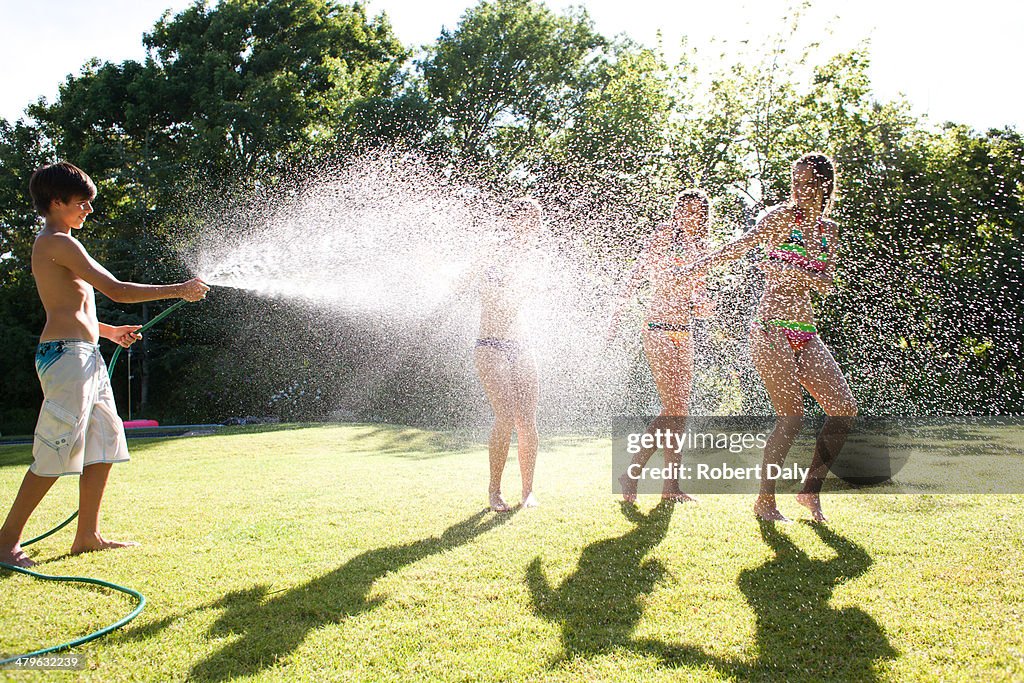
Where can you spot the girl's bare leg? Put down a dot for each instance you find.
(774, 359)
(526, 392)
(672, 369)
(495, 374)
(820, 374)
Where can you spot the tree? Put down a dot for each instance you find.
(510, 75)
(251, 83)
(229, 99)
(22, 150)
(236, 102)
(612, 160)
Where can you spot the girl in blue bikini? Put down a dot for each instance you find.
(784, 343)
(505, 362)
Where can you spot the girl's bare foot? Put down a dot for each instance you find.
(628, 485)
(17, 557)
(768, 512)
(677, 496)
(530, 500)
(89, 544)
(498, 503)
(812, 502)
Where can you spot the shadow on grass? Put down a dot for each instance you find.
(16, 456)
(799, 635)
(367, 438)
(362, 437)
(273, 627)
(414, 442)
(598, 605)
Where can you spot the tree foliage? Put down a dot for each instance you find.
(240, 94)
(510, 75)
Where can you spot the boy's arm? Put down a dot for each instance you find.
(123, 335)
(66, 251)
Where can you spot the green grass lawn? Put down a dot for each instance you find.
(363, 553)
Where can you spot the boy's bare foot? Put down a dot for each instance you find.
(628, 485)
(812, 502)
(93, 543)
(530, 501)
(768, 512)
(498, 503)
(17, 557)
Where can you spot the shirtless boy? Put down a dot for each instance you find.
(78, 431)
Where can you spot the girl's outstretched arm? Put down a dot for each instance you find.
(768, 230)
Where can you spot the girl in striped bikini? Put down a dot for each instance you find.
(668, 342)
(784, 343)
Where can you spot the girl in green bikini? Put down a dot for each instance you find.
(668, 343)
(784, 343)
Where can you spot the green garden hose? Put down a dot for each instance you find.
(140, 599)
(154, 321)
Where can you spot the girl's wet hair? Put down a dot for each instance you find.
(63, 181)
(825, 171)
(695, 195)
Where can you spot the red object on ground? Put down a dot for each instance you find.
(136, 424)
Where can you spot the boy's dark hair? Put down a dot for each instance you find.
(63, 181)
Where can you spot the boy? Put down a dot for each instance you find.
(78, 431)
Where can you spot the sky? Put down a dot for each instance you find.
(952, 61)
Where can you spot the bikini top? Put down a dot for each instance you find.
(793, 250)
(681, 254)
